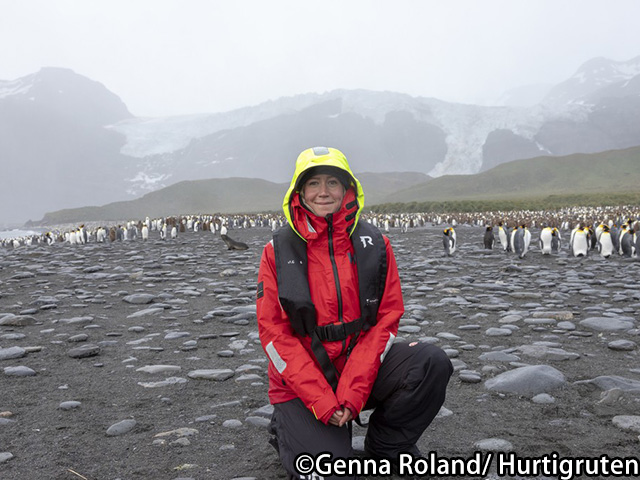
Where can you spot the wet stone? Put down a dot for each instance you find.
(258, 421)
(409, 329)
(605, 324)
(498, 357)
(120, 428)
(498, 332)
(527, 381)
(159, 369)
(139, 298)
(622, 345)
(176, 335)
(546, 353)
(232, 423)
(17, 321)
(11, 353)
(83, 337)
(469, 376)
(543, 399)
(84, 351)
(20, 371)
(13, 336)
(494, 445)
(218, 375)
(627, 422)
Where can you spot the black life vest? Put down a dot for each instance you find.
(295, 297)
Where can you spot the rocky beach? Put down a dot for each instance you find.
(141, 359)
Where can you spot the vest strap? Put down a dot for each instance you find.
(340, 331)
(322, 357)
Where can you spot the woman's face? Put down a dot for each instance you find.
(323, 194)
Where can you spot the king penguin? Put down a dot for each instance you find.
(555, 240)
(579, 242)
(546, 238)
(449, 241)
(605, 243)
(489, 238)
(519, 241)
(626, 242)
(504, 237)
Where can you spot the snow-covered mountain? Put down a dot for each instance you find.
(593, 76)
(66, 141)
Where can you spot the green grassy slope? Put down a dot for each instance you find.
(601, 173)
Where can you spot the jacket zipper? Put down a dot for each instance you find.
(336, 278)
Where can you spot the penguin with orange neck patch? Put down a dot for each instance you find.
(449, 241)
(503, 235)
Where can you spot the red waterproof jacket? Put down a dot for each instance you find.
(293, 369)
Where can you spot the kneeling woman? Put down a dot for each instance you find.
(329, 303)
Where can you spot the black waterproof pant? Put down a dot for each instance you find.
(407, 395)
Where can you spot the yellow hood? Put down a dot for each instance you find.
(316, 157)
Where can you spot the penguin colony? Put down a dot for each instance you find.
(606, 230)
(167, 228)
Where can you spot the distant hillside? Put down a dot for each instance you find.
(67, 141)
(607, 172)
(229, 195)
(220, 195)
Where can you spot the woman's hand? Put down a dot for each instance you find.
(340, 417)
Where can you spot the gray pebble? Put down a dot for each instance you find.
(82, 337)
(121, 428)
(232, 423)
(11, 353)
(622, 345)
(19, 371)
(70, 405)
(84, 351)
(494, 445)
(627, 422)
(498, 332)
(5, 457)
(498, 357)
(176, 335)
(218, 375)
(543, 399)
(470, 377)
(265, 411)
(139, 298)
(605, 324)
(258, 421)
(527, 381)
(155, 369)
(409, 329)
(17, 321)
(205, 418)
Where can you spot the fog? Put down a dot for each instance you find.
(167, 57)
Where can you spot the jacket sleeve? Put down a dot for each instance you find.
(298, 370)
(361, 369)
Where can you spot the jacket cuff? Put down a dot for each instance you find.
(350, 406)
(324, 408)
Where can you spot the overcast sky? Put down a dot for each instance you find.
(171, 57)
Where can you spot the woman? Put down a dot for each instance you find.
(329, 302)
